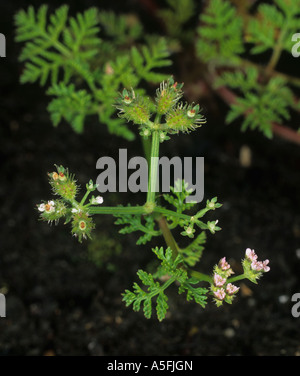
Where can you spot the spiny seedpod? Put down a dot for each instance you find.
(52, 211)
(167, 96)
(184, 118)
(134, 108)
(82, 225)
(63, 184)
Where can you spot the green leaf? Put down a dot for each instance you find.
(161, 306)
(220, 34)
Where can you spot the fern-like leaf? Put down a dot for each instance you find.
(220, 34)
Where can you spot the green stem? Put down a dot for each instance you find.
(201, 276)
(153, 168)
(135, 210)
(85, 197)
(162, 288)
(278, 49)
(147, 149)
(116, 210)
(161, 210)
(237, 278)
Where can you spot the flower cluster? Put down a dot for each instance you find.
(64, 185)
(52, 211)
(178, 116)
(254, 269)
(222, 289)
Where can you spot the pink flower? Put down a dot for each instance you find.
(220, 294)
(257, 266)
(266, 268)
(223, 264)
(251, 255)
(218, 280)
(260, 266)
(231, 289)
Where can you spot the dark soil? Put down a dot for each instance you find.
(60, 303)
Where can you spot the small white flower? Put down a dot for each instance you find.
(74, 211)
(97, 200)
(212, 226)
(189, 230)
(42, 207)
(211, 205)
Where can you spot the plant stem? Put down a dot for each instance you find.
(167, 234)
(153, 168)
(201, 276)
(116, 210)
(134, 210)
(237, 278)
(85, 197)
(147, 149)
(278, 48)
(161, 210)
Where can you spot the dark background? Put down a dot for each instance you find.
(59, 302)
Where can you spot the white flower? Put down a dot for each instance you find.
(48, 208)
(97, 201)
(212, 226)
(42, 207)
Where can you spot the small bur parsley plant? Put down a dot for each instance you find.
(157, 121)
